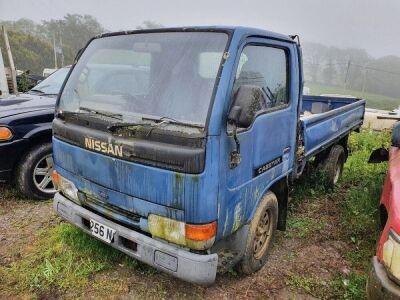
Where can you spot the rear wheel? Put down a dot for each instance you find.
(33, 175)
(261, 235)
(333, 164)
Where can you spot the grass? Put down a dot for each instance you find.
(357, 196)
(363, 183)
(61, 258)
(7, 193)
(305, 226)
(351, 287)
(373, 100)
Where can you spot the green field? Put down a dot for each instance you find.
(373, 100)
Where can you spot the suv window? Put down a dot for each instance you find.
(265, 67)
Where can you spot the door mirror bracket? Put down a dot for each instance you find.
(233, 119)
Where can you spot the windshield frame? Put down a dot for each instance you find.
(228, 32)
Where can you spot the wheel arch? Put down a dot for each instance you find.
(383, 216)
(35, 137)
(321, 156)
(280, 188)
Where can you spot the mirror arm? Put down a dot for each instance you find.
(235, 154)
(235, 137)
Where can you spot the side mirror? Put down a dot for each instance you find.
(378, 155)
(234, 114)
(381, 154)
(247, 101)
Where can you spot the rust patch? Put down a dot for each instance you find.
(178, 191)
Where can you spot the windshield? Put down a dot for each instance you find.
(52, 84)
(161, 75)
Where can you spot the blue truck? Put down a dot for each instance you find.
(177, 146)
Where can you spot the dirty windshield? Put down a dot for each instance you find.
(168, 75)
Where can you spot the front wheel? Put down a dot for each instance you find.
(33, 175)
(261, 235)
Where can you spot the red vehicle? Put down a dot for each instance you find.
(384, 278)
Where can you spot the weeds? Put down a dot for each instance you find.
(349, 287)
(7, 193)
(357, 195)
(363, 184)
(304, 226)
(62, 257)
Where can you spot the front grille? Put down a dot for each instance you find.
(93, 202)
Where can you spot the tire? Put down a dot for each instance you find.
(332, 166)
(34, 171)
(256, 251)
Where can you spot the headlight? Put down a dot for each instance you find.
(5, 134)
(199, 237)
(391, 255)
(66, 187)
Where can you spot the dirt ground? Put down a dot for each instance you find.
(305, 261)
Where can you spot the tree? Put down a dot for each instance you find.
(74, 31)
(313, 59)
(32, 43)
(29, 52)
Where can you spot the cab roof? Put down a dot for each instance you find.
(239, 30)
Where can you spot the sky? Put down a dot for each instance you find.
(373, 25)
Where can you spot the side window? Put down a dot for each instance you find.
(264, 67)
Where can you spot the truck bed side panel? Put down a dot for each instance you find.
(330, 102)
(321, 130)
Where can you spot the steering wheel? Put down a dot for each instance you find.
(84, 74)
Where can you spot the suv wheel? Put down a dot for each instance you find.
(33, 175)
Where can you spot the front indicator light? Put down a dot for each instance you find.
(391, 255)
(66, 187)
(198, 237)
(5, 134)
(202, 232)
(55, 177)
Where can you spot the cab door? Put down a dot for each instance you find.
(267, 145)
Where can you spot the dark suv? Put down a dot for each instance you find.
(25, 137)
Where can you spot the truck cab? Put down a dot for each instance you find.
(176, 146)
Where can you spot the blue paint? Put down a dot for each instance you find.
(229, 196)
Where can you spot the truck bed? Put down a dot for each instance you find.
(326, 119)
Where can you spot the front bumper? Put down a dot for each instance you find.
(379, 285)
(10, 152)
(188, 266)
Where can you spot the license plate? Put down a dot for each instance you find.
(101, 231)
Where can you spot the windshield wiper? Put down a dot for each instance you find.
(36, 90)
(101, 113)
(42, 93)
(168, 120)
(115, 126)
(138, 125)
(157, 122)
